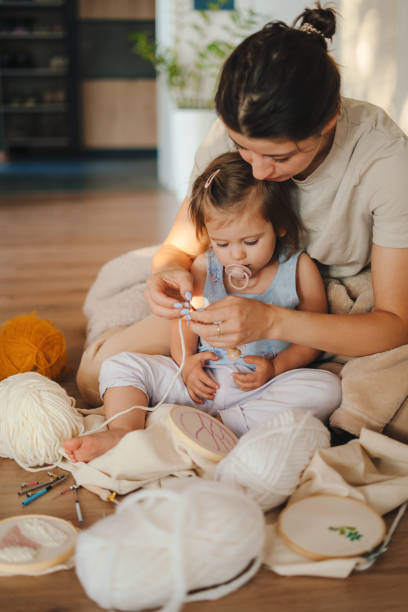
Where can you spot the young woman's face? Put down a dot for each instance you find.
(241, 237)
(279, 160)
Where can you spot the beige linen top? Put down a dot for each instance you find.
(356, 197)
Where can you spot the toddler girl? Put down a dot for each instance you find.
(253, 252)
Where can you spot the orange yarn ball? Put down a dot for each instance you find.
(31, 344)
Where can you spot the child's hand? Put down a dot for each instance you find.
(199, 384)
(264, 371)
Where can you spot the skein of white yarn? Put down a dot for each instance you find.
(162, 543)
(268, 461)
(36, 416)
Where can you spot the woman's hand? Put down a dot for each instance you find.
(234, 321)
(200, 385)
(253, 380)
(167, 290)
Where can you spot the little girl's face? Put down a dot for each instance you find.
(241, 237)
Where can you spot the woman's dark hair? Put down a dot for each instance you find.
(228, 183)
(280, 82)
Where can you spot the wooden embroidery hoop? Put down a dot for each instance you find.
(47, 556)
(202, 432)
(328, 527)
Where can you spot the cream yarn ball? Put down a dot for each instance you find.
(268, 460)
(162, 543)
(36, 416)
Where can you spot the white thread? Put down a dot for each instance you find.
(36, 416)
(238, 272)
(160, 544)
(147, 408)
(17, 554)
(268, 460)
(43, 532)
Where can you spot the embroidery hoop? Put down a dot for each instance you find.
(47, 556)
(202, 432)
(330, 527)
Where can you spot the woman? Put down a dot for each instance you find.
(279, 105)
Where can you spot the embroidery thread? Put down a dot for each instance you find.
(349, 532)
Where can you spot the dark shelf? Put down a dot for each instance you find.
(25, 5)
(38, 77)
(37, 142)
(32, 72)
(39, 108)
(32, 36)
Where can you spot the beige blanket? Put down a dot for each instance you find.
(375, 388)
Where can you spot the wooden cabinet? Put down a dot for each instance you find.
(38, 93)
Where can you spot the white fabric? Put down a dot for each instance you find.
(373, 469)
(355, 197)
(317, 391)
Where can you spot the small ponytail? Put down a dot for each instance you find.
(319, 22)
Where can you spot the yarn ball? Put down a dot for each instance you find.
(162, 543)
(28, 343)
(268, 461)
(36, 416)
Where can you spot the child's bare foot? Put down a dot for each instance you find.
(88, 447)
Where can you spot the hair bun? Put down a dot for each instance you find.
(321, 19)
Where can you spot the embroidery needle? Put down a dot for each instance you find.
(77, 506)
(71, 488)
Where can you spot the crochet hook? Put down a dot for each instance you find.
(383, 547)
(42, 484)
(34, 496)
(37, 494)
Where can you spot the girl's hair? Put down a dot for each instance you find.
(280, 82)
(228, 185)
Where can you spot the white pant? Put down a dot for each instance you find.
(317, 391)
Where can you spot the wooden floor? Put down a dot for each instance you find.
(51, 248)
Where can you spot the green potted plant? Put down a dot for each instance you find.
(188, 70)
(191, 65)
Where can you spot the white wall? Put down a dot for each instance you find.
(373, 51)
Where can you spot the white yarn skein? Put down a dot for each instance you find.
(162, 543)
(36, 416)
(268, 460)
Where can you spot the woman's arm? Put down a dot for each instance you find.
(171, 278)
(354, 335)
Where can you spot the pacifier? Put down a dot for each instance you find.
(238, 273)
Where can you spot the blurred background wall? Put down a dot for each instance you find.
(71, 85)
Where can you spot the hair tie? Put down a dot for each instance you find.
(309, 29)
(210, 178)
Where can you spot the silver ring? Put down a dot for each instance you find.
(219, 331)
